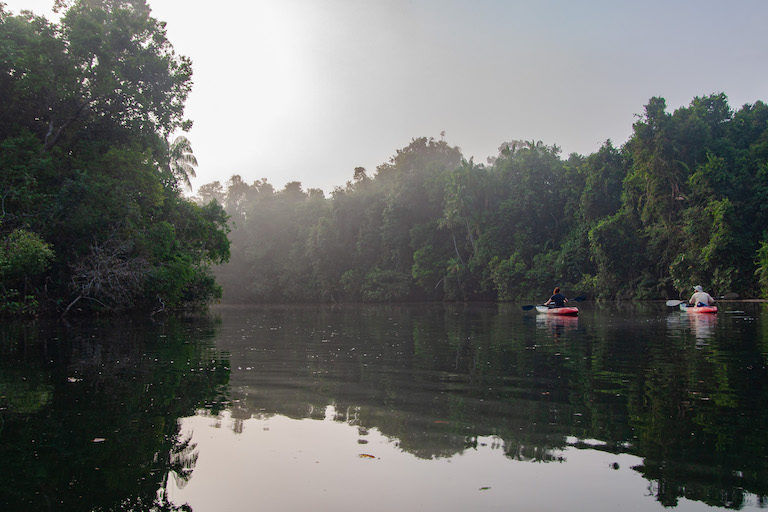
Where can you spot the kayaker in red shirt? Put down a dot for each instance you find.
(700, 297)
(557, 298)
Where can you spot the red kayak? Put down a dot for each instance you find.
(698, 309)
(564, 311)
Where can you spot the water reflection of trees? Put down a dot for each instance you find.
(437, 378)
(701, 419)
(102, 433)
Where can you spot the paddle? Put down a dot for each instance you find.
(580, 298)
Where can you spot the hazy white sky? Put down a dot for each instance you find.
(307, 90)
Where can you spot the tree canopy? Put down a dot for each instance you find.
(90, 186)
(681, 203)
(92, 212)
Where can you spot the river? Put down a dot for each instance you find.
(388, 407)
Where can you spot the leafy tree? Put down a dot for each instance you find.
(682, 202)
(604, 174)
(385, 285)
(89, 105)
(24, 258)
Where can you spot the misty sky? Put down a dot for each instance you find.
(307, 90)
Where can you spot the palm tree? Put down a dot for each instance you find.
(182, 161)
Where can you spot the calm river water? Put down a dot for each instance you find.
(380, 408)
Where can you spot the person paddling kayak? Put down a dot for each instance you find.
(700, 297)
(557, 299)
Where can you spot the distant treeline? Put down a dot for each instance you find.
(683, 202)
(92, 214)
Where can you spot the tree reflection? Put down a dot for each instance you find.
(700, 423)
(103, 433)
(435, 379)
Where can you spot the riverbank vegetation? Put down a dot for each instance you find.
(682, 202)
(92, 213)
(93, 216)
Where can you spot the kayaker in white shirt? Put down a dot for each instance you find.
(701, 297)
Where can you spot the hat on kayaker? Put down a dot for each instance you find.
(698, 288)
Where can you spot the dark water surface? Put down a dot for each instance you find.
(417, 407)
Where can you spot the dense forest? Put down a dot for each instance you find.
(92, 211)
(682, 202)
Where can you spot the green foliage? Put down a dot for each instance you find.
(683, 202)
(89, 104)
(604, 174)
(427, 270)
(23, 255)
(762, 268)
(508, 275)
(89, 164)
(617, 254)
(385, 285)
(24, 258)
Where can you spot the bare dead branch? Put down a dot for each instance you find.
(109, 275)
